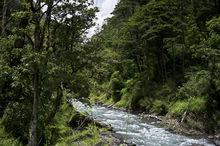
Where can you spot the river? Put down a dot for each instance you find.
(136, 131)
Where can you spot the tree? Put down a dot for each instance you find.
(48, 60)
(170, 49)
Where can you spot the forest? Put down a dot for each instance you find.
(160, 57)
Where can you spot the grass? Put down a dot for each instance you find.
(61, 134)
(197, 104)
(123, 103)
(6, 139)
(179, 108)
(159, 107)
(88, 137)
(193, 105)
(98, 98)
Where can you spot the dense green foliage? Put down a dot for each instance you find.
(158, 56)
(41, 67)
(167, 59)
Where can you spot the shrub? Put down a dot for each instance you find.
(197, 85)
(102, 97)
(146, 103)
(115, 86)
(17, 116)
(123, 102)
(179, 108)
(193, 105)
(136, 95)
(197, 104)
(159, 107)
(6, 139)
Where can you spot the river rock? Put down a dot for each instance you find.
(80, 121)
(217, 136)
(211, 137)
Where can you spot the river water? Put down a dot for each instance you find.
(134, 130)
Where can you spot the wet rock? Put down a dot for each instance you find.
(216, 139)
(217, 142)
(211, 137)
(217, 136)
(109, 138)
(80, 121)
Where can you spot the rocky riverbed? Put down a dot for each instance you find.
(136, 131)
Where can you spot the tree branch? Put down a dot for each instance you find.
(32, 6)
(29, 39)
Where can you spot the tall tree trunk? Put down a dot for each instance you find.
(56, 105)
(39, 35)
(34, 120)
(36, 84)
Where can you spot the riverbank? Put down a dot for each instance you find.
(81, 121)
(136, 131)
(170, 124)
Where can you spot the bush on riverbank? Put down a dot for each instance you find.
(164, 101)
(167, 57)
(70, 127)
(58, 131)
(194, 105)
(7, 139)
